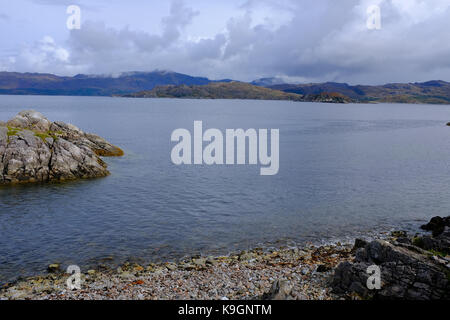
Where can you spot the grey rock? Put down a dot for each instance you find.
(94, 142)
(201, 262)
(171, 266)
(245, 256)
(30, 119)
(127, 276)
(280, 290)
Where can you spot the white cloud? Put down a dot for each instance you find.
(42, 56)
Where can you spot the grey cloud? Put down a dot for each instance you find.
(180, 16)
(325, 40)
(207, 48)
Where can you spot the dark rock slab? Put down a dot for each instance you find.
(408, 271)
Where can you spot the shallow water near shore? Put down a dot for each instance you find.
(345, 171)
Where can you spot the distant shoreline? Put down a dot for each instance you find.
(190, 98)
(131, 83)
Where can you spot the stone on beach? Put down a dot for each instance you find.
(280, 290)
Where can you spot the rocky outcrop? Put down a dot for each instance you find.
(409, 269)
(33, 149)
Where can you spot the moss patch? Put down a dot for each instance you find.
(45, 135)
(12, 131)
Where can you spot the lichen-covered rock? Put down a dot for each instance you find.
(407, 271)
(32, 149)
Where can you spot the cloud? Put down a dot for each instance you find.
(304, 40)
(43, 56)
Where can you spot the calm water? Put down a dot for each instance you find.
(344, 170)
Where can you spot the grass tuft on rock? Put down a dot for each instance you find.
(44, 135)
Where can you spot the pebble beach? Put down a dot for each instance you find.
(301, 273)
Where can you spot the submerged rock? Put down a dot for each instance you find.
(33, 149)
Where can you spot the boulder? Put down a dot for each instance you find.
(437, 225)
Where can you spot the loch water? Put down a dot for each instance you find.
(345, 171)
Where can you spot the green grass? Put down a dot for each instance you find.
(12, 131)
(43, 135)
(49, 134)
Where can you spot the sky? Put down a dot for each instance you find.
(299, 41)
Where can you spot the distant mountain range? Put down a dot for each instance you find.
(437, 92)
(91, 85)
